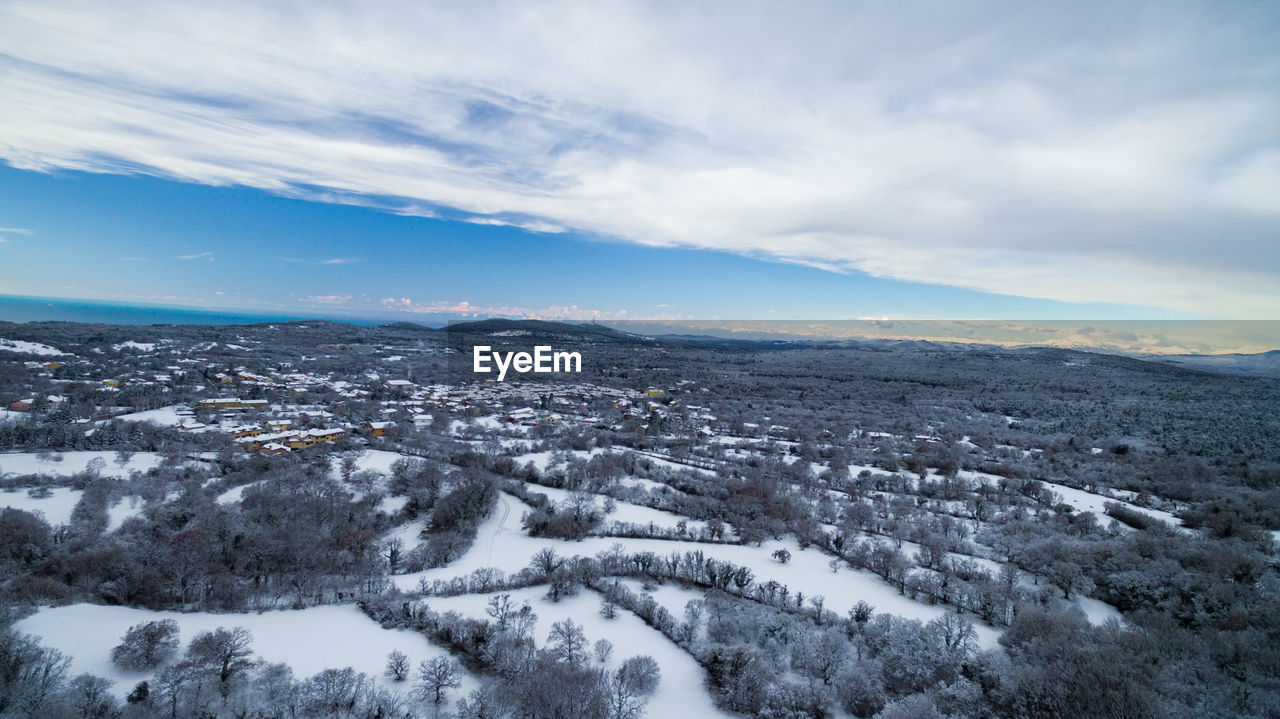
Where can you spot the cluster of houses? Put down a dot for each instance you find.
(288, 440)
(276, 425)
(231, 403)
(277, 435)
(26, 403)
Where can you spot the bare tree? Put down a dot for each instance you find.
(630, 686)
(225, 652)
(568, 643)
(146, 645)
(436, 678)
(398, 665)
(602, 651)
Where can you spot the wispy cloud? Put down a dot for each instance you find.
(326, 300)
(196, 256)
(13, 231)
(330, 261)
(1111, 153)
(467, 309)
(540, 226)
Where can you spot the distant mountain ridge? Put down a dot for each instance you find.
(545, 329)
(1266, 364)
(1263, 364)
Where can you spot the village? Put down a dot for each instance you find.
(281, 407)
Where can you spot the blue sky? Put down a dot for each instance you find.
(148, 240)
(840, 160)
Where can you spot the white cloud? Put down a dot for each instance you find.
(467, 309)
(196, 256)
(326, 300)
(1118, 153)
(13, 231)
(330, 261)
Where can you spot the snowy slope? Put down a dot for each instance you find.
(501, 544)
(56, 508)
(29, 348)
(680, 692)
(165, 416)
(308, 640)
(23, 463)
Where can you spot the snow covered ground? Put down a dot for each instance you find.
(24, 463)
(1089, 502)
(669, 596)
(489, 423)
(409, 534)
(680, 692)
(643, 483)
(122, 510)
(1097, 611)
(1084, 501)
(29, 348)
(391, 505)
(165, 416)
(626, 512)
(543, 461)
(308, 640)
(369, 460)
(233, 495)
(132, 345)
(660, 462)
(500, 543)
(56, 508)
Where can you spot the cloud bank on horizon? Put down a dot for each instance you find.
(1167, 337)
(1125, 152)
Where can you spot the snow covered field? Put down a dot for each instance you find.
(409, 534)
(233, 495)
(391, 505)
(643, 483)
(132, 345)
(308, 640)
(164, 417)
(1097, 611)
(24, 463)
(122, 510)
(29, 348)
(369, 460)
(1083, 501)
(501, 544)
(56, 508)
(1088, 502)
(544, 461)
(669, 596)
(337, 636)
(626, 512)
(680, 692)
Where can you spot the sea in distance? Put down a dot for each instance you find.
(15, 308)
